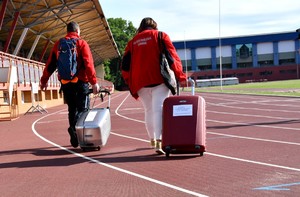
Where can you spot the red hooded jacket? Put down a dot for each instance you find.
(85, 63)
(140, 64)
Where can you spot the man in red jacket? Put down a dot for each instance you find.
(75, 91)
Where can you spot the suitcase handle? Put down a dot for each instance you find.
(100, 91)
(101, 96)
(192, 86)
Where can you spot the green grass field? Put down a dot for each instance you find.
(278, 88)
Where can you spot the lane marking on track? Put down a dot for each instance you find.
(257, 109)
(282, 187)
(257, 100)
(218, 155)
(257, 139)
(223, 156)
(117, 109)
(251, 115)
(254, 125)
(129, 109)
(224, 122)
(111, 166)
(254, 162)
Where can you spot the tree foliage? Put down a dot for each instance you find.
(122, 31)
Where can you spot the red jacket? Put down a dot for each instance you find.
(140, 64)
(85, 63)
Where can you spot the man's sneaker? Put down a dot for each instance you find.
(73, 137)
(158, 148)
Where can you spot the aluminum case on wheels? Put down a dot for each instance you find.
(93, 127)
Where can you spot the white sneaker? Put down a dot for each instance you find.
(158, 148)
(153, 143)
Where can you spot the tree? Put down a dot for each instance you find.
(122, 31)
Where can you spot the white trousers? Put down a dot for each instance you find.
(152, 99)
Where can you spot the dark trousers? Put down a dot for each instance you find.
(77, 99)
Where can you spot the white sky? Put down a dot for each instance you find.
(199, 19)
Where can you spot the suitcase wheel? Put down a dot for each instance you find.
(167, 154)
(197, 147)
(92, 148)
(167, 151)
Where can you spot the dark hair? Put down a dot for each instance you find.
(147, 23)
(72, 26)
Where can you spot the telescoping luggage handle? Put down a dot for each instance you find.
(190, 80)
(100, 96)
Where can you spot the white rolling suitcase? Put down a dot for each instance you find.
(93, 126)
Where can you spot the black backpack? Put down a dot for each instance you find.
(66, 60)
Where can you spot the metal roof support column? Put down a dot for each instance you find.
(33, 46)
(44, 50)
(11, 32)
(21, 40)
(2, 12)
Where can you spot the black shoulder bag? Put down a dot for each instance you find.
(166, 72)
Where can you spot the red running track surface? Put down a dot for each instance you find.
(253, 146)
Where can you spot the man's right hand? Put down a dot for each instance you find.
(96, 88)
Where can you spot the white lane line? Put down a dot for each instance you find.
(214, 154)
(129, 109)
(254, 125)
(257, 109)
(116, 112)
(254, 162)
(257, 139)
(251, 115)
(111, 166)
(226, 157)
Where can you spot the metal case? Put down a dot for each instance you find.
(93, 128)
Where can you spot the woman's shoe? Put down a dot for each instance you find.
(152, 143)
(158, 148)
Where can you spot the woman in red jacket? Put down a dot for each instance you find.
(141, 71)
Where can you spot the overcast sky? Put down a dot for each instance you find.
(199, 19)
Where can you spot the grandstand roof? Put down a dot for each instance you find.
(47, 19)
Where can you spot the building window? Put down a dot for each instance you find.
(286, 61)
(265, 63)
(244, 65)
(244, 74)
(265, 73)
(5, 97)
(225, 66)
(204, 67)
(292, 71)
(244, 51)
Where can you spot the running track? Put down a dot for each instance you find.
(253, 146)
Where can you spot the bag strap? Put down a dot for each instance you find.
(161, 43)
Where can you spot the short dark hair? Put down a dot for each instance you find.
(147, 23)
(72, 26)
